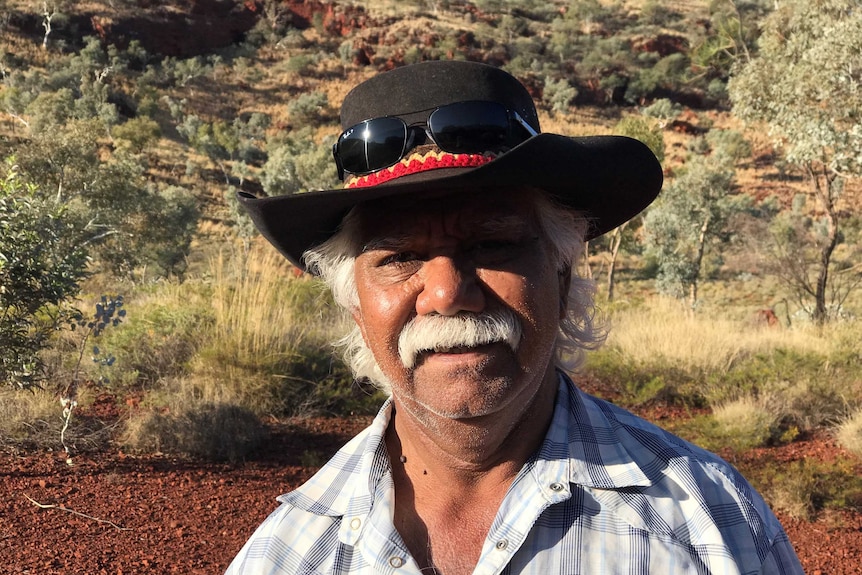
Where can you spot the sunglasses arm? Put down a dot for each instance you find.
(524, 124)
(338, 165)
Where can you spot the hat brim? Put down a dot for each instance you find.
(610, 178)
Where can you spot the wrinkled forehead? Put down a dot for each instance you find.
(462, 215)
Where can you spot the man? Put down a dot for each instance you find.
(452, 245)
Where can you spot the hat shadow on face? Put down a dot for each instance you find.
(609, 178)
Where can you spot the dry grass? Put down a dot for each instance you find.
(251, 316)
(797, 494)
(657, 348)
(34, 419)
(263, 325)
(663, 329)
(212, 432)
(849, 433)
(748, 421)
(25, 414)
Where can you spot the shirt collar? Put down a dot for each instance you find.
(349, 483)
(590, 442)
(585, 444)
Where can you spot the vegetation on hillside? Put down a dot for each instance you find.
(126, 131)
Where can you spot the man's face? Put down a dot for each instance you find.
(454, 257)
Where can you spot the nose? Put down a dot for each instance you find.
(448, 289)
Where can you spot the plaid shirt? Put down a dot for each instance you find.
(607, 493)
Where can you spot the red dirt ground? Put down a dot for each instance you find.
(115, 514)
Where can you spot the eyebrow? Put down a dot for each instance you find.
(507, 223)
(493, 225)
(386, 243)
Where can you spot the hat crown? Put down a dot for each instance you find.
(412, 92)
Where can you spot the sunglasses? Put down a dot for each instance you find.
(460, 128)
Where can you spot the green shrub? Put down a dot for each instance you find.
(559, 94)
(729, 142)
(298, 163)
(643, 130)
(42, 263)
(308, 109)
(158, 340)
(136, 134)
(639, 383)
(668, 73)
(50, 109)
(301, 64)
(662, 109)
(656, 13)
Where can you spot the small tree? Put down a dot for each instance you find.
(623, 236)
(805, 84)
(559, 94)
(123, 221)
(689, 218)
(794, 241)
(308, 109)
(137, 134)
(298, 163)
(50, 12)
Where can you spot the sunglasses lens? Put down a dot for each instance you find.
(470, 127)
(372, 145)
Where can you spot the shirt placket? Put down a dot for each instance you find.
(531, 493)
(382, 547)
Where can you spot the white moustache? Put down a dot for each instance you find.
(441, 333)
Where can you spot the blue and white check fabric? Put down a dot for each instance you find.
(607, 493)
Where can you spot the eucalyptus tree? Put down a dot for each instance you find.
(691, 219)
(804, 83)
(624, 237)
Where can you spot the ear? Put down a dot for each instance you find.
(565, 278)
(356, 312)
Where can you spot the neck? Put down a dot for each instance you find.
(451, 475)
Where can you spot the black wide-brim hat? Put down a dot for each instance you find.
(609, 178)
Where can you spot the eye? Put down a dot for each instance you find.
(398, 258)
(496, 251)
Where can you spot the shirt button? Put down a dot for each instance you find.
(396, 562)
(355, 523)
(502, 544)
(557, 487)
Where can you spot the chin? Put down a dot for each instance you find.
(464, 399)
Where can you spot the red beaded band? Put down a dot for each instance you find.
(417, 163)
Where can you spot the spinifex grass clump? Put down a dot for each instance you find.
(660, 350)
(261, 350)
(807, 487)
(214, 432)
(270, 339)
(748, 422)
(849, 433)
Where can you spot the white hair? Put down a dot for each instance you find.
(564, 230)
